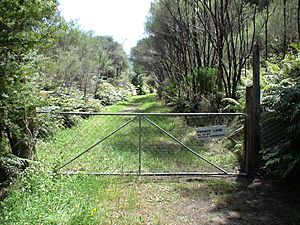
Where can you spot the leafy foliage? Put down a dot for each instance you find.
(281, 103)
(203, 100)
(112, 92)
(198, 47)
(81, 60)
(25, 28)
(39, 51)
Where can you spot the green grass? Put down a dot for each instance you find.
(41, 198)
(38, 197)
(119, 153)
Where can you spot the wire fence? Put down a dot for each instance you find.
(140, 143)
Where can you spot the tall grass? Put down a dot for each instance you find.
(42, 198)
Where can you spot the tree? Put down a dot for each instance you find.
(298, 20)
(146, 62)
(190, 39)
(117, 55)
(282, 21)
(79, 60)
(284, 27)
(25, 27)
(186, 36)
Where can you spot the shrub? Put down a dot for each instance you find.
(112, 92)
(65, 101)
(281, 105)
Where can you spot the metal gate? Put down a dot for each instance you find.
(141, 143)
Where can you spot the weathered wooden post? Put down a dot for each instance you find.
(256, 102)
(248, 156)
(252, 143)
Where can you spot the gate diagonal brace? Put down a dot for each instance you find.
(94, 145)
(186, 147)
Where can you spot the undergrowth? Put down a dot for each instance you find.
(39, 197)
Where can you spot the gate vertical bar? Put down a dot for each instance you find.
(140, 145)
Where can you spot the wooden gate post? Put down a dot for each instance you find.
(252, 143)
(256, 103)
(249, 148)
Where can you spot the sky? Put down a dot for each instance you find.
(121, 19)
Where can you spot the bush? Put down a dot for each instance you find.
(71, 101)
(281, 105)
(112, 92)
(185, 96)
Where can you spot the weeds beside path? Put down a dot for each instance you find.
(38, 197)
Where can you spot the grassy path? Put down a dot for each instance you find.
(119, 153)
(38, 197)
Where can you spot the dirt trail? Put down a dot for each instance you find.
(218, 201)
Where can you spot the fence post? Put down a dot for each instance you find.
(252, 142)
(256, 102)
(249, 148)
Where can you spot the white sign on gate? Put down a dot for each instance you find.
(206, 133)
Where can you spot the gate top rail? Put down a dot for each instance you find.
(143, 114)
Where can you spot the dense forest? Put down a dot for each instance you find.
(196, 56)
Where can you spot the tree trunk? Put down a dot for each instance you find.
(284, 28)
(266, 32)
(220, 46)
(298, 20)
(22, 146)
